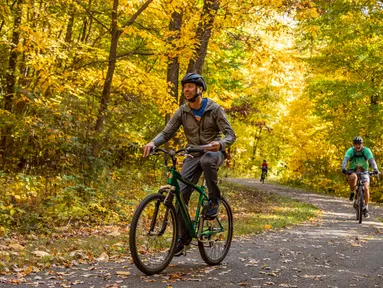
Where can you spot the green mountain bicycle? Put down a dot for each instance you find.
(154, 228)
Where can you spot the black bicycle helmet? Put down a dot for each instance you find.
(194, 78)
(357, 140)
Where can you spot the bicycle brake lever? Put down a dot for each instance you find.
(189, 155)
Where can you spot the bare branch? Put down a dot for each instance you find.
(93, 17)
(139, 11)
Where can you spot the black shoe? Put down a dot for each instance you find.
(351, 196)
(366, 213)
(212, 208)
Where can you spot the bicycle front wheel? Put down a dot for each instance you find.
(216, 235)
(361, 205)
(356, 207)
(152, 237)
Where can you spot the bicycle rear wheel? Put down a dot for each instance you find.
(263, 176)
(215, 241)
(152, 237)
(361, 205)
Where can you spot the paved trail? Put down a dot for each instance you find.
(333, 252)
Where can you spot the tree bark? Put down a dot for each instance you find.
(173, 59)
(173, 62)
(105, 97)
(10, 78)
(87, 22)
(257, 136)
(12, 64)
(69, 29)
(203, 34)
(2, 25)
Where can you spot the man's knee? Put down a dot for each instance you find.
(352, 177)
(208, 161)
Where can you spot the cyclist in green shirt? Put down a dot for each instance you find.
(359, 157)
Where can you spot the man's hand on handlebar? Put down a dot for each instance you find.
(148, 148)
(214, 146)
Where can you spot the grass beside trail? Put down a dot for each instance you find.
(254, 212)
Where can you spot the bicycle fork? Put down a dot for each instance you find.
(167, 202)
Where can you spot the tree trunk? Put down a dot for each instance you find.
(10, 78)
(87, 22)
(2, 25)
(174, 66)
(69, 29)
(108, 81)
(203, 34)
(256, 137)
(12, 64)
(173, 60)
(105, 97)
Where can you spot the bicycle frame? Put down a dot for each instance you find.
(359, 183)
(191, 226)
(156, 223)
(173, 178)
(359, 203)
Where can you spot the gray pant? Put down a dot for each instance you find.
(192, 170)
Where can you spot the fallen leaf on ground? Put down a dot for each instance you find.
(16, 247)
(41, 253)
(123, 273)
(103, 257)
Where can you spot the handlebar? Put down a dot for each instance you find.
(188, 150)
(362, 173)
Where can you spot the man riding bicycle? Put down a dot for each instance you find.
(359, 157)
(204, 122)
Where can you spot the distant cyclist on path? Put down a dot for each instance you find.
(359, 157)
(264, 168)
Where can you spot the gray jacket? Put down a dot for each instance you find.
(210, 128)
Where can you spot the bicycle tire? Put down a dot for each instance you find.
(356, 207)
(153, 265)
(361, 205)
(204, 249)
(263, 177)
